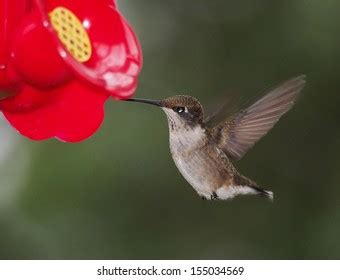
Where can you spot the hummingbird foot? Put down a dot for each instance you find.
(214, 196)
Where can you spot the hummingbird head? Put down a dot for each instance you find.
(181, 110)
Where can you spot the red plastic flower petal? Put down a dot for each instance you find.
(71, 114)
(61, 60)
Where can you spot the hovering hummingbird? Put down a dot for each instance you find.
(203, 152)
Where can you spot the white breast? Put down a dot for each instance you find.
(190, 159)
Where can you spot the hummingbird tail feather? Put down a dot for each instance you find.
(266, 194)
(242, 180)
(230, 191)
(269, 195)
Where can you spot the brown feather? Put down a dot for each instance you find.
(239, 133)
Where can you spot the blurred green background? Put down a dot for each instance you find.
(118, 195)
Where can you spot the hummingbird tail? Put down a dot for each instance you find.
(269, 195)
(264, 193)
(242, 180)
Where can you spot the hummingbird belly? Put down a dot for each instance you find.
(200, 164)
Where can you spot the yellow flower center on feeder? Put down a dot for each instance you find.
(71, 33)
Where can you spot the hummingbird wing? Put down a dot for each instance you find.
(236, 135)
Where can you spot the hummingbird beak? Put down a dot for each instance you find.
(147, 101)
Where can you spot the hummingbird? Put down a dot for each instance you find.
(203, 152)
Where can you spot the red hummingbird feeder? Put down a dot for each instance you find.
(59, 62)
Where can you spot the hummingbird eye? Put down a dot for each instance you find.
(179, 109)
